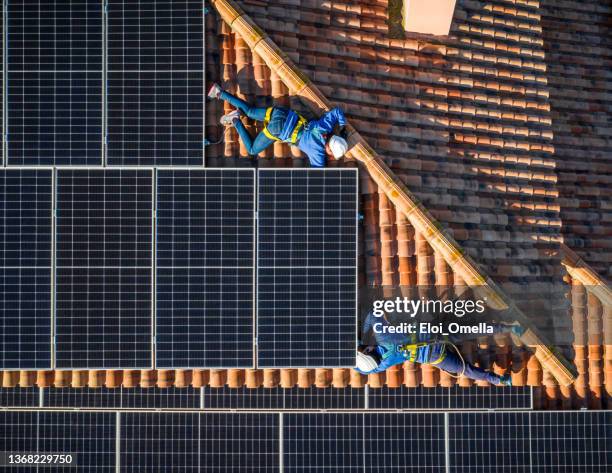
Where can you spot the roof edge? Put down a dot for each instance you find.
(588, 277)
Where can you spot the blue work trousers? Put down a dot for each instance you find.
(452, 363)
(261, 141)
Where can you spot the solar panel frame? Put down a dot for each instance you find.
(54, 83)
(289, 258)
(205, 254)
(26, 240)
(163, 134)
(112, 275)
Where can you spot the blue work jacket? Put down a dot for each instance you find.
(390, 347)
(313, 137)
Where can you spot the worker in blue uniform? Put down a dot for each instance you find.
(315, 138)
(392, 349)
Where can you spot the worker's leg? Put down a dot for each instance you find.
(453, 364)
(254, 113)
(255, 147)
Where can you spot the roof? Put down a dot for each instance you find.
(466, 123)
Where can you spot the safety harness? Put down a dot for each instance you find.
(413, 348)
(292, 126)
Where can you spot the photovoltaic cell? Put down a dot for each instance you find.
(155, 82)
(88, 436)
(404, 443)
(54, 83)
(571, 442)
(205, 276)
(307, 236)
(25, 268)
(489, 442)
(104, 268)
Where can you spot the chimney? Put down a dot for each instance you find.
(428, 16)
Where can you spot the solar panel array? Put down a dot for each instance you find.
(104, 268)
(155, 82)
(306, 270)
(25, 268)
(205, 277)
(100, 267)
(294, 442)
(54, 82)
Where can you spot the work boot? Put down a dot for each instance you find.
(505, 380)
(215, 91)
(229, 118)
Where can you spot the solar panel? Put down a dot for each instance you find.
(454, 398)
(155, 82)
(19, 397)
(403, 397)
(489, 442)
(216, 442)
(307, 236)
(54, 82)
(404, 443)
(239, 442)
(122, 398)
(279, 398)
(160, 398)
(243, 398)
(88, 437)
(323, 442)
(25, 268)
(573, 442)
(205, 240)
(324, 398)
(159, 442)
(493, 397)
(83, 398)
(104, 268)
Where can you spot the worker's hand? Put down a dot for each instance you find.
(369, 349)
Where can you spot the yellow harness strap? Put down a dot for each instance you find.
(266, 121)
(413, 349)
(296, 130)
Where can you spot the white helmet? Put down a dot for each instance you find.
(338, 146)
(366, 363)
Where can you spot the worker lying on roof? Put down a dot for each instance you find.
(315, 138)
(393, 349)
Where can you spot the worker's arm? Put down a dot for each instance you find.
(330, 119)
